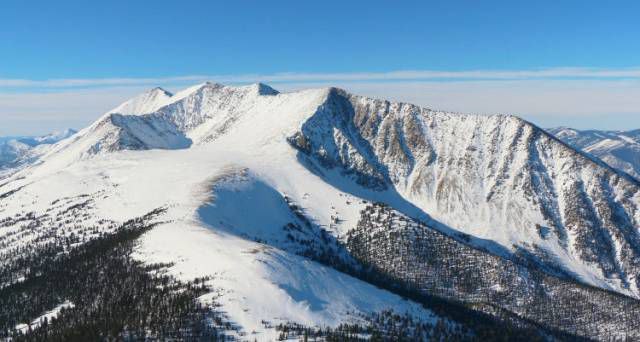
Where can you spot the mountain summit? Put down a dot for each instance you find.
(146, 102)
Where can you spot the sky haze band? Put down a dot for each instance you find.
(292, 77)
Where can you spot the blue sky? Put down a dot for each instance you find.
(581, 59)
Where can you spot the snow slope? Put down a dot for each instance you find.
(225, 161)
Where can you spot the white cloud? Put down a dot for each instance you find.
(424, 75)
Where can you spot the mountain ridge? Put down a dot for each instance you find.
(387, 145)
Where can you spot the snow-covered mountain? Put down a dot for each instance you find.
(497, 178)
(267, 192)
(17, 151)
(620, 149)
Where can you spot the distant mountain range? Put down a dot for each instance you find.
(255, 214)
(20, 150)
(620, 149)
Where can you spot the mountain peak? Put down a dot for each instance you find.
(160, 90)
(208, 85)
(147, 102)
(263, 89)
(620, 150)
(198, 88)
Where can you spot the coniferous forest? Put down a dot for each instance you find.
(114, 297)
(420, 261)
(103, 293)
(108, 295)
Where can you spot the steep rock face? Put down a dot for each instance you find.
(621, 150)
(494, 177)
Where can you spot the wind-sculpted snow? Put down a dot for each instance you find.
(495, 177)
(275, 219)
